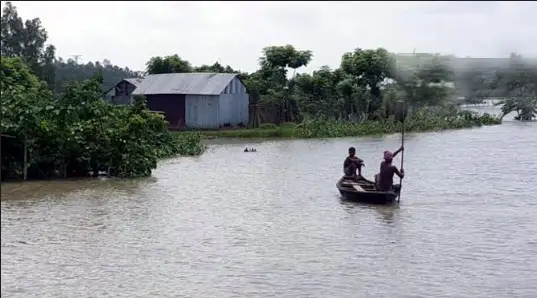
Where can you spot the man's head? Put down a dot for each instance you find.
(352, 151)
(388, 156)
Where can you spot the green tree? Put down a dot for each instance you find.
(215, 68)
(77, 132)
(68, 72)
(369, 68)
(26, 39)
(274, 63)
(23, 110)
(23, 98)
(520, 82)
(168, 64)
(427, 83)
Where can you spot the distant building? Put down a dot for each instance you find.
(195, 100)
(121, 93)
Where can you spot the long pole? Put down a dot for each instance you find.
(403, 117)
(402, 159)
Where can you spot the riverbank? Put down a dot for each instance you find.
(419, 122)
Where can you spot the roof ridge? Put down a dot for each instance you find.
(195, 73)
(205, 83)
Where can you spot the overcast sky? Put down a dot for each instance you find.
(234, 33)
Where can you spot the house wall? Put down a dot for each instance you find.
(109, 95)
(234, 102)
(123, 93)
(202, 111)
(172, 105)
(120, 94)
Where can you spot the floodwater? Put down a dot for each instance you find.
(271, 224)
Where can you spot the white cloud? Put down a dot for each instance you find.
(129, 33)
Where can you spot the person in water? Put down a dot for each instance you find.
(385, 178)
(352, 164)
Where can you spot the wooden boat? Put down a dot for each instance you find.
(359, 189)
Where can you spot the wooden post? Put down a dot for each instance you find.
(257, 115)
(1, 158)
(401, 116)
(25, 170)
(1, 136)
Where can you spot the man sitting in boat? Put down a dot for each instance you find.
(385, 178)
(352, 164)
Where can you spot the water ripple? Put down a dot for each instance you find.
(270, 224)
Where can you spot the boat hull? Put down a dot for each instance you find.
(366, 192)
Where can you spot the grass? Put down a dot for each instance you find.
(422, 122)
(265, 131)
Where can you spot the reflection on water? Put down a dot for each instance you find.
(271, 224)
(386, 213)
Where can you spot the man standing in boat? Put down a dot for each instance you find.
(352, 164)
(385, 178)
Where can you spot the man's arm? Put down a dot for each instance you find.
(358, 160)
(398, 150)
(400, 174)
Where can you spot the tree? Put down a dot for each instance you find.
(23, 98)
(369, 68)
(426, 84)
(520, 82)
(168, 64)
(26, 39)
(68, 72)
(318, 94)
(274, 64)
(76, 133)
(23, 110)
(215, 68)
(282, 57)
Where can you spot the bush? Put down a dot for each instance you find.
(78, 133)
(188, 144)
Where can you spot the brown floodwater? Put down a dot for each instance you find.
(271, 224)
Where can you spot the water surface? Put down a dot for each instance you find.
(271, 224)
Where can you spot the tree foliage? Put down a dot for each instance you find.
(519, 81)
(168, 64)
(68, 71)
(76, 132)
(26, 39)
(55, 106)
(366, 86)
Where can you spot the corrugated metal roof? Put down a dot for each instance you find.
(135, 81)
(184, 83)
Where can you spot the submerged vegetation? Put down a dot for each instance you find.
(425, 119)
(54, 123)
(77, 133)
